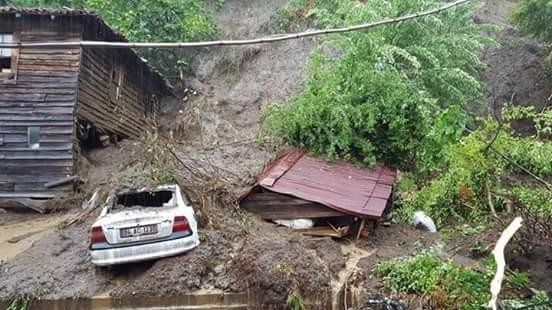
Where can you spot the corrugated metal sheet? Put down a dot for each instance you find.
(338, 185)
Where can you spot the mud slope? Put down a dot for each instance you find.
(234, 84)
(516, 66)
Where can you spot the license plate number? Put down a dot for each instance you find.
(138, 231)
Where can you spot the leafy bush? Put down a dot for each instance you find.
(473, 173)
(450, 286)
(393, 93)
(147, 21)
(534, 17)
(539, 301)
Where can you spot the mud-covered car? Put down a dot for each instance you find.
(143, 225)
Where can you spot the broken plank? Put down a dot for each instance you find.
(63, 181)
(33, 204)
(326, 231)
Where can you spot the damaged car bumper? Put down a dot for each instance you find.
(104, 254)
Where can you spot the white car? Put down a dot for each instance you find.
(143, 225)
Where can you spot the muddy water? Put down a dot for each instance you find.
(18, 237)
(197, 301)
(343, 295)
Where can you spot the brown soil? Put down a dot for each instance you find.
(538, 264)
(516, 66)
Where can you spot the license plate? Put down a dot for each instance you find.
(138, 231)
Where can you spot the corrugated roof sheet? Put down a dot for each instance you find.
(338, 185)
(89, 15)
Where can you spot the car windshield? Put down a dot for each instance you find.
(153, 199)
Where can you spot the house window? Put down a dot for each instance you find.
(33, 137)
(8, 59)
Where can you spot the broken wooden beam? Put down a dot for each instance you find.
(73, 178)
(326, 231)
(360, 229)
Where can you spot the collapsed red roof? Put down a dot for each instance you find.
(338, 185)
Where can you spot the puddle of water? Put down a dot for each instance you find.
(27, 232)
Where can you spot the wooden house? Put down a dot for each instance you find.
(54, 100)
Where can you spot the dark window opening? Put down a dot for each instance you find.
(91, 137)
(33, 137)
(7, 58)
(145, 199)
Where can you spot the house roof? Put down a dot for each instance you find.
(88, 16)
(338, 185)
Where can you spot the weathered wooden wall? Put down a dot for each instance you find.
(273, 206)
(44, 95)
(102, 72)
(57, 88)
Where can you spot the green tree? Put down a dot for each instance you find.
(393, 93)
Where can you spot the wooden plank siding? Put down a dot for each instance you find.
(272, 206)
(44, 94)
(98, 102)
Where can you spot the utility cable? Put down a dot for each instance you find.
(263, 40)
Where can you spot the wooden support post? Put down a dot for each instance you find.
(360, 228)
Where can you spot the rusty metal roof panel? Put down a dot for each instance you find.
(338, 185)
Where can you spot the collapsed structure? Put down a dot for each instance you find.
(298, 186)
(56, 101)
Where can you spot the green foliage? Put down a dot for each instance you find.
(539, 301)
(148, 21)
(295, 301)
(20, 303)
(472, 172)
(429, 274)
(518, 279)
(534, 17)
(394, 93)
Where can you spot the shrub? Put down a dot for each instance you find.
(534, 17)
(429, 274)
(472, 173)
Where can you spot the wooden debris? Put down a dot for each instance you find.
(63, 181)
(105, 141)
(498, 253)
(362, 223)
(33, 204)
(326, 231)
(18, 238)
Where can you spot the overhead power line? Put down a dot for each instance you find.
(270, 39)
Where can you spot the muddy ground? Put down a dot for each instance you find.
(218, 126)
(516, 66)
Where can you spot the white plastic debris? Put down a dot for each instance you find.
(421, 220)
(296, 224)
(92, 202)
